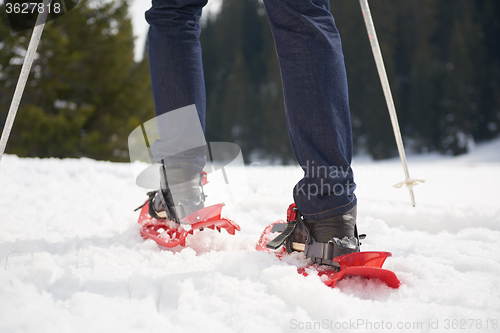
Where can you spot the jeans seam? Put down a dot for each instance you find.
(288, 122)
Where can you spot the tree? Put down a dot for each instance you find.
(85, 93)
(245, 103)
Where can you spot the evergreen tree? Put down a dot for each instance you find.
(245, 103)
(85, 93)
(372, 130)
(439, 57)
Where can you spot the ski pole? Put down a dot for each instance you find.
(23, 77)
(377, 54)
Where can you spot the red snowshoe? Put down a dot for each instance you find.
(170, 234)
(276, 239)
(171, 229)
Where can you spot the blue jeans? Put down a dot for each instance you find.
(314, 85)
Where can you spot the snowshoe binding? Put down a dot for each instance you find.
(174, 211)
(331, 244)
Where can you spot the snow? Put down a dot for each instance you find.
(72, 259)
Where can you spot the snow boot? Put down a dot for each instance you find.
(320, 240)
(181, 194)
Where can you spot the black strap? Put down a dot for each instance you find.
(281, 238)
(151, 195)
(291, 227)
(167, 195)
(323, 253)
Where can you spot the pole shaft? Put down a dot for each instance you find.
(377, 54)
(23, 77)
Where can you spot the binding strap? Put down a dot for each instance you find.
(294, 221)
(323, 253)
(318, 252)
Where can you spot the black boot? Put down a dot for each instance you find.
(320, 240)
(181, 194)
(332, 237)
(340, 226)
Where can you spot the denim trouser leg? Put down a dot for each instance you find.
(176, 70)
(314, 83)
(316, 103)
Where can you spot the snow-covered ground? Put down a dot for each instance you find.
(72, 260)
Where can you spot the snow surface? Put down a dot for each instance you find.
(72, 260)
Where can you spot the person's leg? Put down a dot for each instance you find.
(178, 90)
(316, 103)
(175, 55)
(177, 78)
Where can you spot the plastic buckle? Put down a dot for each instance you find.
(204, 178)
(291, 213)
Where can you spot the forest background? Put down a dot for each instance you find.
(86, 93)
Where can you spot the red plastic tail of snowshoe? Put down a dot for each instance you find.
(364, 264)
(170, 234)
